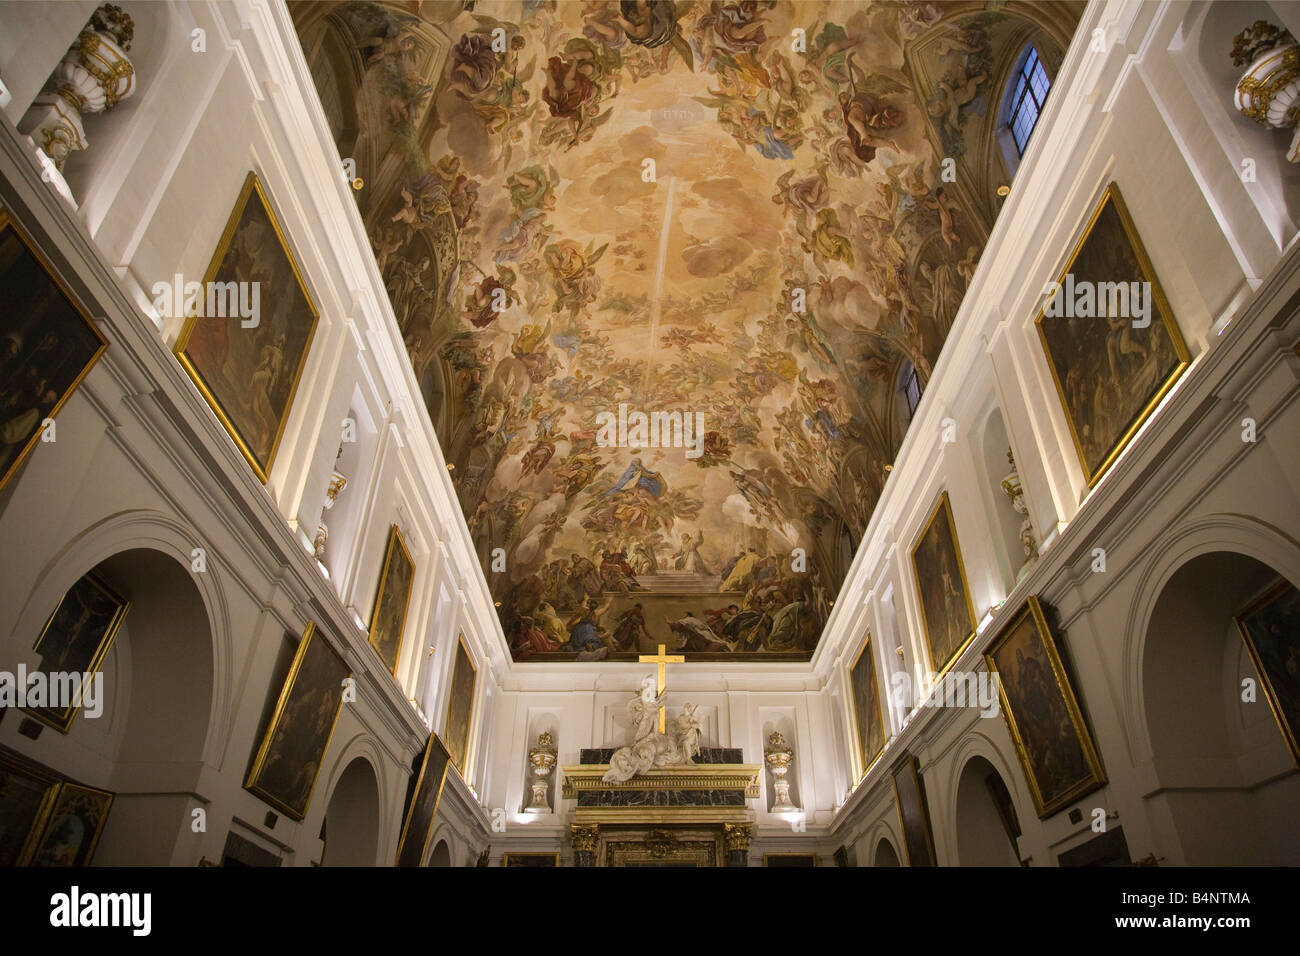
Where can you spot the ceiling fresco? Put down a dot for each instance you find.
(733, 213)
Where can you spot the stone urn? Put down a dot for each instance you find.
(93, 77)
(1016, 493)
(1269, 91)
(778, 756)
(542, 759)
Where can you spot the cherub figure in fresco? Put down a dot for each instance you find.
(602, 23)
(385, 243)
(532, 188)
(652, 24)
(947, 222)
(866, 114)
(461, 190)
(828, 243)
(955, 90)
(914, 16)
(802, 197)
(573, 274)
(727, 29)
(474, 63)
(492, 296)
(573, 91)
(523, 237)
(399, 46)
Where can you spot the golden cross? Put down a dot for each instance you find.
(662, 659)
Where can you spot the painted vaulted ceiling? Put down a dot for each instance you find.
(735, 211)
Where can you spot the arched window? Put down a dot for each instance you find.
(1028, 94)
(909, 383)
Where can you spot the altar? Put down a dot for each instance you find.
(663, 799)
(690, 815)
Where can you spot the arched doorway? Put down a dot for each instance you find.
(1227, 782)
(986, 818)
(885, 854)
(147, 747)
(352, 818)
(441, 855)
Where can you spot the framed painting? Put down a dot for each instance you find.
(73, 828)
(1111, 340)
(868, 724)
(287, 762)
(913, 814)
(28, 793)
(77, 638)
(247, 369)
(423, 807)
(388, 618)
(460, 706)
(47, 345)
(532, 859)
(1047, 729)
(946, 610)
(1270, 626)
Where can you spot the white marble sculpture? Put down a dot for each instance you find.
(647, 747)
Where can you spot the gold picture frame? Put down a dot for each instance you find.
(860, 732)
(28, 791)
(460, 706)
(913, 813)
(388, 617)
(48, 345)
(207, 369)
(83, 591)
(1272, 616)
(73, 826)
(417, 822)
(531, 859)
(299, 733)
(932, 550)
(1097, 454)
(1077, 769)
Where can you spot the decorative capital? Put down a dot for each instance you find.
(1258, 38)
(584, 837)
(736, 836)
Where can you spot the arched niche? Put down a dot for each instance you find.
(539, 723)
(1226, 782)
(148, 745)
(351, 827)
(986, 821)
(1004, 520)
(781, 720)
(1202, 50)
(885, 854)
(441, 855)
